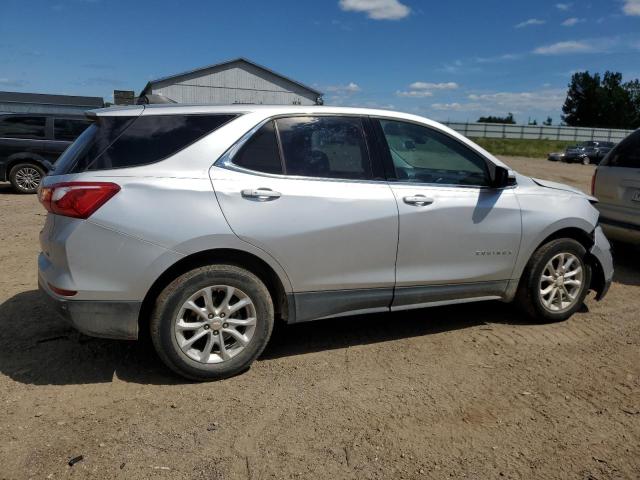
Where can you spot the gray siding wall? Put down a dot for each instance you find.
(11, 107)
(234, 83)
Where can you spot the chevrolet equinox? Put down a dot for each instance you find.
(202, 225)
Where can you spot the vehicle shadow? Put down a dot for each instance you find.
(38, 348)
(626, 260)
(7, 189)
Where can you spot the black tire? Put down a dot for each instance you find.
(528, 295)
(168, 305)
(20, 173)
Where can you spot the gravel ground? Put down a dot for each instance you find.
(468, 391)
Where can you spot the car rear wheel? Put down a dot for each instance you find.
(212, 322)
(26, 177)
(555, 282)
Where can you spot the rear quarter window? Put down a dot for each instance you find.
(122, 142)
(626, 154)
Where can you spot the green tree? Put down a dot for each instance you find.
(581, 106)
(606, 102)
(633, 87)
(491, 119)
(616, 109)
(548, 122)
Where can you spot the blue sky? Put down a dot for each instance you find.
(445, 60)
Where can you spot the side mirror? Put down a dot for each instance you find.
(502, 177)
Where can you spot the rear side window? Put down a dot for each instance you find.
(626, 154)
(261, 152)
(68, 129)
(326, 147)
(121, 142)
(23, 127)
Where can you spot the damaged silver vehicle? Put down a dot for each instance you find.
(202, 225)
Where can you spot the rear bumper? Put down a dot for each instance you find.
(601, 250)
(621, 231)
(117, 320)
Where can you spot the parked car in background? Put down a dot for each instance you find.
(203, 224)
(555, 156)
(30, 144)
(587, 152)
(616, 183)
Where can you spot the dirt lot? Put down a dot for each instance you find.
(470, 391)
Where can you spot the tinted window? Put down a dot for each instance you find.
(69, 128)
(424, 155)
(23, 127)
(330, 147)
(626, 154)
(261, 152)
(120, 142)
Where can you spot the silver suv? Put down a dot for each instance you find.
(616, 182)
(202, 225)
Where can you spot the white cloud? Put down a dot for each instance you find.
(530, 22)
(563, 48)
(433, 86)
(349, 88)
(570, 22)
(377, 9)
(545, 100)
(457, 107)
(563, 6)
(631, 7)
(414, 93)
(499, 58)
(10, 82)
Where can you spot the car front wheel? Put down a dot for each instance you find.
(555, 281)
(212, 322)
(26, 177)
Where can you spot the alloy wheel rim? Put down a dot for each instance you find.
(28, 178)
(215, 324)
(561, 282)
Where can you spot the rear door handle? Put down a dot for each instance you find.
(261, 193)
(418, 200)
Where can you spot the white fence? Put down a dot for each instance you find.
(537, 132)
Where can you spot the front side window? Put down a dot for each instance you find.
(626, 154)
(261, 152)
(23, 127)
(68, 129)
(326, 147)
(424, 155)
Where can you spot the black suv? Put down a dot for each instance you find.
(30, 144)
(588, 152)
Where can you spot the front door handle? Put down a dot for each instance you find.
(261, 193)
(418, 200)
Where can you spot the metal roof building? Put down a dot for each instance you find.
(18, 102)
(235, 81)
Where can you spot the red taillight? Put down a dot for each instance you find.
(62, 291)
(593, 182)
(76, 199)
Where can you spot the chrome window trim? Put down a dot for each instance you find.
(226, 159)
